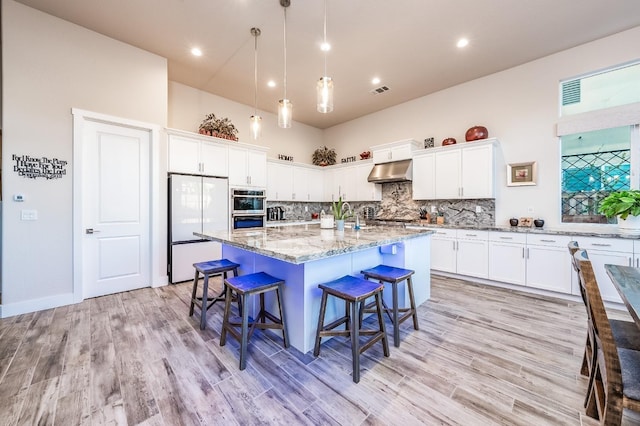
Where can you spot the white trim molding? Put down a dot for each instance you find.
(623, 115)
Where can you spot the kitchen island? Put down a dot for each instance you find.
(305, 256)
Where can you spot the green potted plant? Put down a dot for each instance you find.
(341, 211)
(625, 205)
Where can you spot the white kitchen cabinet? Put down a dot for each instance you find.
(507, 261)
(460, 251)
(465, 172)
(472, 252)
(315, 181)
(424, 177)
(548, 262)
(365, 190)
(395, 151)
(247, 167)
(279, 181)
(602, 251)
(443, 250)
(193, 155)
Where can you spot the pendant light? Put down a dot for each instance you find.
(285, 108)
(255, 121)
(324, 88)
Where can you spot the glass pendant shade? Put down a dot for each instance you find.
(324, 91)
(285, 113)
(255, 123)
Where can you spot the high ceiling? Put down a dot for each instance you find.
(409, 44)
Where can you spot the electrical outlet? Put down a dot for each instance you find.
(29, 215)
(530, 209)
(478, 209)
(306, 208)
(433, 209)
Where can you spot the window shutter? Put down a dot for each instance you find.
(571, 92)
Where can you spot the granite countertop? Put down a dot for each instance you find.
(603, 231)
(303, 243)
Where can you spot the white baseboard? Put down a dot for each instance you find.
(33, 305)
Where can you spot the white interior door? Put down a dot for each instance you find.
(115, 208)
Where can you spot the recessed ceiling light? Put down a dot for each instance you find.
(375, 80)
(196, 51)
(271, 83)
(462, 42)
(325, 47)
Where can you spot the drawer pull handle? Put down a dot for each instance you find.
(506, 238)
(548, 241)
(601, 245)
(470, 235)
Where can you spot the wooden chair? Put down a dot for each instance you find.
(208, 270)
(615, 374)
(625, 333)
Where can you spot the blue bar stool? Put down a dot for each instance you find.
(354, 291)
(393, 275)
(247, 285)
(209, 269)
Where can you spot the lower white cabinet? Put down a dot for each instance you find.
(548, 263)
(443, 250)
(507, 261)
(534, 260)
(461, 252)
(602, 251)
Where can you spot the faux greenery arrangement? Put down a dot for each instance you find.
(218, 127)
(324, 156)
(621, 204)
(338, 210)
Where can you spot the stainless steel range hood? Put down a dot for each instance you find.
(395, 171)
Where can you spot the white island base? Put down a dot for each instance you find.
(301, 292)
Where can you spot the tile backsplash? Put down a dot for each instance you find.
(397, 204)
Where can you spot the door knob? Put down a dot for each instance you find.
(90, 231)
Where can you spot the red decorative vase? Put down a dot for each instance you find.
(475, 133)
(448, 141)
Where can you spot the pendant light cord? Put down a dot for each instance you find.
(325, 38)
(255, 75)
(285, 53)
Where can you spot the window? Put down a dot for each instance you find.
(593, 164)
(600, 146)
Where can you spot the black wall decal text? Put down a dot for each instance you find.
(35, 167)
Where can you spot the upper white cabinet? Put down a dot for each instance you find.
(466, 171)
(247, 167)
(424, 177)
(350, 183)
(194, 155)
(454, 172)
(394, 151)
(365, 190)
(294, 182)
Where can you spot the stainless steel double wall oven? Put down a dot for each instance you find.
(248, 208)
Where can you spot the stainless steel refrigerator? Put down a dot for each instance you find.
(196, 204)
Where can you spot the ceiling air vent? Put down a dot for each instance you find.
(571, 92)
(379, 90)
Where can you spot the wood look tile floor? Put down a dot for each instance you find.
(482, 356)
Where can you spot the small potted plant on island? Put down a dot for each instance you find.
(341, 211)
(625, 205)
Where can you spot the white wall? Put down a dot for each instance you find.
(49, 67)
(519, 106)
(189, 106)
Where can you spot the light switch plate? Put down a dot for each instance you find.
(478, 209)
(28, 214)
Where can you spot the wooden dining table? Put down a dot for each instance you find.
(626, 279)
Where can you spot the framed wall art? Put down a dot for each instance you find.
(521, 174)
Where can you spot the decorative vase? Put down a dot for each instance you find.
(448, 141)
(339, 224)
(539, 223)
(629, 226)
(513, 222)
(475, 133)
